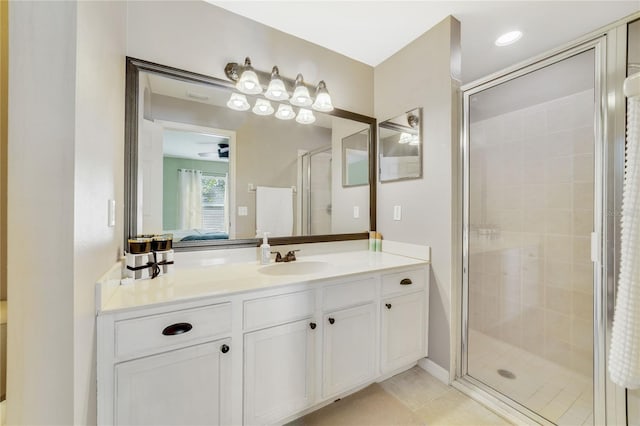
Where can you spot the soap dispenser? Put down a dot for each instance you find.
(265, 250)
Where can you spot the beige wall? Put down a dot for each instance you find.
(66, 164)
(200, 37)
(428, 67)
(40, 199)
(343, 199)
(99, 176)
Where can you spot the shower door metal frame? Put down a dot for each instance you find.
(306, 198)
(463, 380)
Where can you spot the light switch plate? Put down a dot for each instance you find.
(242, 211)
(111, 213)
(397, 212)
(356, 212)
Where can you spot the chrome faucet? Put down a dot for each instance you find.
(289, 257)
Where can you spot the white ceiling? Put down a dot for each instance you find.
(185, 144)
(372, 31)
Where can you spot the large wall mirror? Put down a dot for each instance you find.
(213, 176)
(401, 147)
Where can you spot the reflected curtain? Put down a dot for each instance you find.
(189, 199)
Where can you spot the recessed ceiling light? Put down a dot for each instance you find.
(508, 38)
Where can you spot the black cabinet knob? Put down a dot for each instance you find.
(406, 281)
(331, 320)
(312, 325)
(177, 328)
(224, 349)
(388, 305)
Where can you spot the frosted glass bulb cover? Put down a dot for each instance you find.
(301, 97)
(238, 102)
(249, 83)
(404, 138)
(285, 112)
(276, 90)
(263, 107)
(323, 102)
(305, 116)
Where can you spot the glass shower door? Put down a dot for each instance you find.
(529, 216)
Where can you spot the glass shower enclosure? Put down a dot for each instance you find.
(531, 292)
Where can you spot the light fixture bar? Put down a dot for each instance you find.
(233, 71)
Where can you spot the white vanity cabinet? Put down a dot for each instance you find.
(279, 356)
(402, 312)
(350, 329)
(182, 387)
(348, 349)
(279, 367)
(265, 355)
(169, 368)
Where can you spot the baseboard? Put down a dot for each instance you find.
(435, 370)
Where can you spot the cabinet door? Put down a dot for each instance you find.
(182, 387)
(349, 349)
(403, 331)
(279, 367)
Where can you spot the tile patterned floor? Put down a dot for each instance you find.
(410, 398)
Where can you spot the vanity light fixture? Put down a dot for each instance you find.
(263, 107)
(305, 116)
(285, 112)
(300, 95)
(276, 90)
(508, 38)
(323, 100)
(238, 102)
(248, 82)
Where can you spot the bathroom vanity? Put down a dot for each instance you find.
(249, 344)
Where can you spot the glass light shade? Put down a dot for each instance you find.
(285, 112)
(404, 138)
(238, 102)
(263, 107)
(249, 83)
(300, 95)
(305, 116)
(276, 90)
(414, 140)
(323, 100)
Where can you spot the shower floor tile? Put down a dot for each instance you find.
(560, 395)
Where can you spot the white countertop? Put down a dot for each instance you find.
(194, 282)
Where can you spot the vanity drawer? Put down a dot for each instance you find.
(156, 332)
(403, 282)
(349, 294)
(267, 311)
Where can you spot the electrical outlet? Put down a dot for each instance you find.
(242, 211)
(356, 212)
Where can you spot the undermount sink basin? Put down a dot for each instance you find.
(294, 268)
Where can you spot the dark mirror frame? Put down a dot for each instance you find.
(133, 68)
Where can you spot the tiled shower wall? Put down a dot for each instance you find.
(531, 214)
